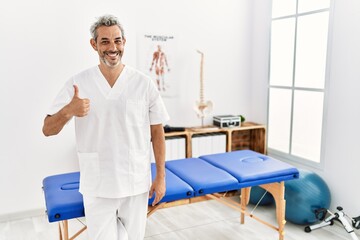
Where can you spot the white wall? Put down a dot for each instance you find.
(342, 160)
(341, 157)
(45, 42)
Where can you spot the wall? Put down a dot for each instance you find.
(46, 42)
(341, 142)
(342, 162)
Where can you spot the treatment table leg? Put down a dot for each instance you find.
(278, 192)
(60, 233)
(63, 230)
(244, 201)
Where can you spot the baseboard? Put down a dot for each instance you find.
(21, 215)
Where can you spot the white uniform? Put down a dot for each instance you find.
(113, 140)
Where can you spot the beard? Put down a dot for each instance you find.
(112, 62)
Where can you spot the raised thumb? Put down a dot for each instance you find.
(76, 91)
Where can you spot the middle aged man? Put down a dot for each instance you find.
(117, 111)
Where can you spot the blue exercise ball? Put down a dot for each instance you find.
(257, 193)
(304, 195)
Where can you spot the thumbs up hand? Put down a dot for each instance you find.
(78, 107)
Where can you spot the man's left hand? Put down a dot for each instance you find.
(159, 188)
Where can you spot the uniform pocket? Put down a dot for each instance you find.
(89, 171)
(140, 164)
(135, 112)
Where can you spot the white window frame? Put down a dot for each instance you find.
(288, 157)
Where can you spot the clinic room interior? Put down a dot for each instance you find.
(44, 43)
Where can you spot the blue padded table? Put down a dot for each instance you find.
(254, 169)
(176, 190)
(203, 177)
(187, 180)
(64, 201)
(250, 167)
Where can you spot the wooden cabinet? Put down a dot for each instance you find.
(249, 136)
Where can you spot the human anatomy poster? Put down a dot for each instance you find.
(156, 54)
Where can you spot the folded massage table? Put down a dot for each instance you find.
(187, 181)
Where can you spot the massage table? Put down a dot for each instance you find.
(188, 180)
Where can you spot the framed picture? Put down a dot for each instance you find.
(156, 55)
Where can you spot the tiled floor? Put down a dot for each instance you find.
(199, 221)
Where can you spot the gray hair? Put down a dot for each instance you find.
(106, 20)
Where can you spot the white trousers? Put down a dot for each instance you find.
(116, 218)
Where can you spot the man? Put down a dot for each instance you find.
(117, 111)
(159, 59)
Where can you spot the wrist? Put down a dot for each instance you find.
(161, 175)
(66, 113)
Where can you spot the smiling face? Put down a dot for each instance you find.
(110, 45)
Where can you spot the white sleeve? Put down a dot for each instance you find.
(64, 97)
(157, 110)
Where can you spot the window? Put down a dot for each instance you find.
(298, 54)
